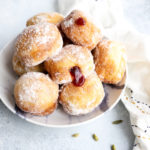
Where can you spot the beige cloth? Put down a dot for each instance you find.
(108, 15)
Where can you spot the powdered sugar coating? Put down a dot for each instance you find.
(70, 56)
(20, 68)
(54, 18)
(35, 92)
(37, 43)
(72, 109)
(82, 100)
(68, 23)
(28, 93)
(76, 52)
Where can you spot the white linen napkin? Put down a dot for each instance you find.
(108, 15)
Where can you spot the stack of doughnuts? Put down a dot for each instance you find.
(64, 60)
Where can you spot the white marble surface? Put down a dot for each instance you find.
(17, 134)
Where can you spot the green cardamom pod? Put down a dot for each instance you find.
(113, 147)
(117, 122)
(95, 137)
(75, 135)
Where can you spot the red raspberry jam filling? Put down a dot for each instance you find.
(80, 21)
(78, 78)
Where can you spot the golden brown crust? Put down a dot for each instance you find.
(47, 111)
(81, 100)
(110, 61)
(87, 35)
(71, 55)
(54, 18)
(20, 69)
(36, 93)
(38, 43)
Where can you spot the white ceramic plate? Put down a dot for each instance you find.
(59, 118)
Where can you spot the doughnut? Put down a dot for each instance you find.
(54, 18)
(36, 93)
(20, 69)
(70, 56)
(80, 30)
(82, 100)
(110, 61)
(38, 43)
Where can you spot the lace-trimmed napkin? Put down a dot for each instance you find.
(108, 16)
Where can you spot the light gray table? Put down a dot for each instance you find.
(17, 134)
